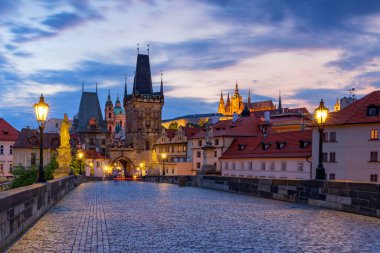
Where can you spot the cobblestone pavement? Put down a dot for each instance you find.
(148, 217)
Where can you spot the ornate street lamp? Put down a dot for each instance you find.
(163, 156)
(80, 157)
(41, 108)
(320, 116)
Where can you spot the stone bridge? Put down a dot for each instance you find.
(150, 217)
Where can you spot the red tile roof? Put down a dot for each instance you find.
(30, 138)
(92, 154)
(244, 126)
(7, 132)
(251, 147)
(356, 113)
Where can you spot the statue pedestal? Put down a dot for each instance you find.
(63, 159)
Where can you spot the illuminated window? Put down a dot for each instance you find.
(374, 134)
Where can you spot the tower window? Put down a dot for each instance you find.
(109, 115)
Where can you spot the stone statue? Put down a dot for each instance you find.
(64, 150)
(208, 134)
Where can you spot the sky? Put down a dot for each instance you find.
(307, 49)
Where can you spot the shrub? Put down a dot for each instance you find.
(50, 168)
(23, 177)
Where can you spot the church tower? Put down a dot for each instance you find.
(228, 105)
(109, 114)
(337, 105)
(221, 108)
(236, 101)
(143, 108)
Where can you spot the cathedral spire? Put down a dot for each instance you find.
(236, 88)
(249, 99)
(221, 107)
(125, 86)
(109, 101)
(279, 102)
(96, 87)
(162, 86)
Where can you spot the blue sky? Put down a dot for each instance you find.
(307, 49)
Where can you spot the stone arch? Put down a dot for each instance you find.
(126, 164)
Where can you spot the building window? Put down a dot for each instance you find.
(250, 167)
(10, 168)
(283, 166)
(216, 142)
(147, 145)
(226, 165)
(332, 176)
(1, 149)
(374, 134)
(215, 153)
(332, 157)
(172, 171)
(198, 165)
(324, 157)
(233, 166)
(11, 150)
(56, 125)
(1, 168)
(373, 177)
(373, 157)
(179, 149)
(109, 115)
(199, 143)
(172, 149)
(263, 166)
(332, 136)
(325, 137)
(300, 166)
(167, 171)
(271, 165)
(198, 153)
(215, 165)
(33, 159)
(372, 110)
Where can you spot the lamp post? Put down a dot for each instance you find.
(92, 169)
(163, 156)
(320, 115)
(41, 108)
(80, 157)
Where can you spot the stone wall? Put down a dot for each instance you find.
(21, 207)
(354, 197)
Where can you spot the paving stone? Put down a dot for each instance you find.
(148, 217)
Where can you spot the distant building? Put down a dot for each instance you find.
(95, 164)
(26, 150)
(8, 137)
(53, 125)
(351, 141)
(174, 144)
(89, 125)
(193, 120)
(115, 120)
(236, 105)
(209, 144)
(276, 155)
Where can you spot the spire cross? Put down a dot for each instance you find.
(138, 48)
(148, 49)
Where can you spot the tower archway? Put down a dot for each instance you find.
(124, 166)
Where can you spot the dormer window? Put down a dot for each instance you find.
(304, 144)
(372, 110)
(242, 146)
(265, 146)
(281, 145)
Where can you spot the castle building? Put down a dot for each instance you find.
(89, 125)
(143, 126)
(236, 105)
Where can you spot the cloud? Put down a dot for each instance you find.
(24, 33)
(65, 20)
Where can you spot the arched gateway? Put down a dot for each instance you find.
(123, 166)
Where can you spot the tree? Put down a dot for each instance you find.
(74, 166)
(51, 167)
(23, 177)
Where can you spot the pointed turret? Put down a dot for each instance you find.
(236, 89)
(228, 105)
(109, 101)
(249, 99)
(337, 105)
(125, 88)
(117, 103)
(162, 86)
(279, 103)
(221, 108)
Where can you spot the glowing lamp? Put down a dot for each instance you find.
(41, 108)
(321, 113)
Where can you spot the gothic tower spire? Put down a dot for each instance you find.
(249, 99)
(279, 102)
(221, 108)
(162, 86)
